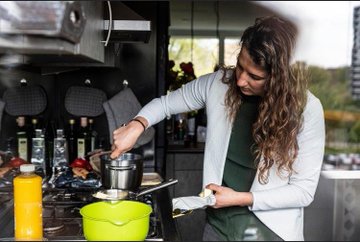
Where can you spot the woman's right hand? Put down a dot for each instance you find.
(125, 137)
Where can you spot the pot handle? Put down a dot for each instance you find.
(157, 187)
(122, 168)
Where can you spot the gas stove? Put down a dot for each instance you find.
(62, 219)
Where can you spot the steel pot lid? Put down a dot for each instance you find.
(124, 159)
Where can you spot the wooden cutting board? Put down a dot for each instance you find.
(151, 179)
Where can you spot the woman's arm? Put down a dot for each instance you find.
(302, 184)
(191, 96)
(227, 197)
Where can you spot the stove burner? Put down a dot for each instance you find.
(68, 198)
(62, 219)
(63, 196)
(53, 226)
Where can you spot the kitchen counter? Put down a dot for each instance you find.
(341, 174)
(162, 205)
(191, 148)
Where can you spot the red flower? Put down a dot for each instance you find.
(187, 68)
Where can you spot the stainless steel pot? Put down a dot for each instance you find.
(124, 172)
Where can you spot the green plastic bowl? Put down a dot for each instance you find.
(121, 221)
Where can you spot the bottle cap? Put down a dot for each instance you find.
(27, 168)
(21, 121)
(83, 121)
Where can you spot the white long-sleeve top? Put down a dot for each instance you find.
(279, 203)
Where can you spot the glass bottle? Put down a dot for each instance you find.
(191, 127)
(180, 127)
(83, 138)
(32, 133)
(22, 138)
(34, 127)
(10, 151)
(49, 144)
(93, 134)
(61, 155)
(71, 139)
(28, 204)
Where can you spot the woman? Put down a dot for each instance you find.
(265, 136)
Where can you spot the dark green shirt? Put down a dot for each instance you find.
(239, 173)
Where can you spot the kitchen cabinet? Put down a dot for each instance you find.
(335, 211)
(186, 165)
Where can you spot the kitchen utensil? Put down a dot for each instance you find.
(84, 101)
(124, 221)
(179, 212)
(124, 172)
(117, 195)
(25, 100)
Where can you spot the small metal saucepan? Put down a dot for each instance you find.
(125, 172)
(115, 195)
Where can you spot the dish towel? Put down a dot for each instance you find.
(193, 202)
(120, 109)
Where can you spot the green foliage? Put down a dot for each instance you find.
(354, 134)
(205, 53)
(332, 88)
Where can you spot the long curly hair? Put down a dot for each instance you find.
(270, 43)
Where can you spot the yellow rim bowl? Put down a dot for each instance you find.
(122, 221)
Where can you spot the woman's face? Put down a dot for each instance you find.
(249, 76)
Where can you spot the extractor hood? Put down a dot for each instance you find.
(126, 24)
(58, 19)
(66, 32)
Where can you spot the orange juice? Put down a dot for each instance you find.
(28, 204)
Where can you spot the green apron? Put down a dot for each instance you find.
(238, 223)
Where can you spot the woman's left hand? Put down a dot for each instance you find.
(227, 197)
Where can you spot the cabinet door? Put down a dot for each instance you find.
(188, 169)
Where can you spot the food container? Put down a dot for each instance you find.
(124, 172)
(121, 221)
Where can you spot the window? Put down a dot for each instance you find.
(231, 51)
(205, 53)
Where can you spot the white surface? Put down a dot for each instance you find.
(341, 174)
(193, 202)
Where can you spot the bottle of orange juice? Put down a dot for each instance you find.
(28, 204)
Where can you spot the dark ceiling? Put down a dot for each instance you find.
(232, 17)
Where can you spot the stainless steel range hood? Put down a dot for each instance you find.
(128, 30)
(126, 25)
(66, 32)
(59, 19)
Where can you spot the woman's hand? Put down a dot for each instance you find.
(227, 197)
(125, 137)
